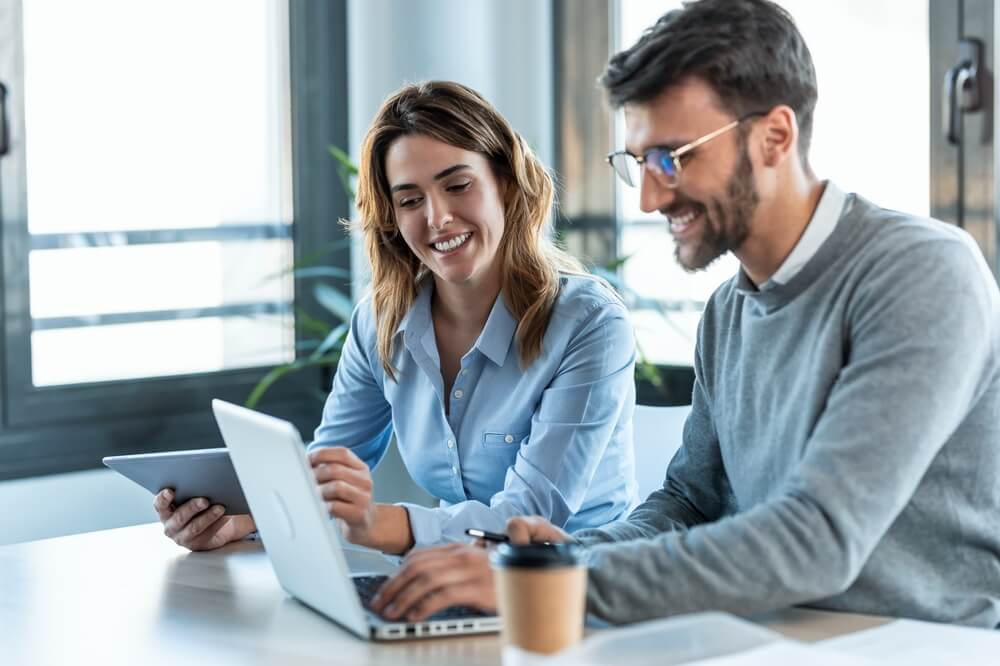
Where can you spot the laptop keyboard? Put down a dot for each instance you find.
(367, 586)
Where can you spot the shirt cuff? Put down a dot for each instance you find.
(425, 524)
(593, 536)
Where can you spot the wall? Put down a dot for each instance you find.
(47, 506)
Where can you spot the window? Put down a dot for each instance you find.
(863, 122)
(168, 164)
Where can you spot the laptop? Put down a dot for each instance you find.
(303, 543)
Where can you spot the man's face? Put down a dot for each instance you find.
(710, 210)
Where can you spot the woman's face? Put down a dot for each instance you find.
(449, 209)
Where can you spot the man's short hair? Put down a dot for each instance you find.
(748, 51)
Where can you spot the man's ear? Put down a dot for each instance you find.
(779, 132)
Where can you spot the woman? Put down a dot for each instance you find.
(505, 372)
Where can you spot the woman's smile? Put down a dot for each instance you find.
(451, 244)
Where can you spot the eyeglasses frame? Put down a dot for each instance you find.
(676, 154)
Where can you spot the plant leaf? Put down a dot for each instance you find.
(334, 339)
(277, 373)
(617, 262)
(310, 324)
(265, 383)
(310, 260)
(334, 300)
(346, 171)
(345, 161)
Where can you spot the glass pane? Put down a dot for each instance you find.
(168, 276)
(652, 271)
(131, 351)
(167, 116)
(666, 333)
(852, 141)
(145, 115)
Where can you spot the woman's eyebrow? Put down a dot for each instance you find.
(443, 174)
(450, 170)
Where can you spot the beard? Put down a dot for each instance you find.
(726, 222)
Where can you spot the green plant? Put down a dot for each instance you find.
(347, 170)
(325, 339)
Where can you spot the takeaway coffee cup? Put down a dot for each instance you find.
(541, 594)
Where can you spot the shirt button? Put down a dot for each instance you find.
(509, 438)
(454, 470)
(463, 372)
(451, 443)
(458, 394)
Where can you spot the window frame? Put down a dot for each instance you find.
(46, 430)
(588, 219)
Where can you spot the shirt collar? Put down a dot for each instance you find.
(822, 224)
(418, 317)
(494, 341)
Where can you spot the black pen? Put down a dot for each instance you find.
(487, 536)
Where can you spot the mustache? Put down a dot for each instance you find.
(677, 206)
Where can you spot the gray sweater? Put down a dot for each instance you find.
(843, 448)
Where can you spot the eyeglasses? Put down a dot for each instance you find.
(664, 162)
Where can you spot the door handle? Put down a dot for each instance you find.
(4, 135)
(963, 88)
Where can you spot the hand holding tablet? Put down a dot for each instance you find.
(198, 497)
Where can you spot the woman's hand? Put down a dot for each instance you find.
(346, 486)
(432, 579)
(198, 526)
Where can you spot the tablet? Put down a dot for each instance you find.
(199, 473)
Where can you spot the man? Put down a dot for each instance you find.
(843, 447)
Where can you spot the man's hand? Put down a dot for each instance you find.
(432, 579)
(534, 529)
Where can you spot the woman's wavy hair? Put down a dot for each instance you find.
(454, 114)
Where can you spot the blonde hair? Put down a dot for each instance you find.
(454, 114)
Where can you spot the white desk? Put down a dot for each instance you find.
(132, 596)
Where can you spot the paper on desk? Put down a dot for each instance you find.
(706, 639)
(786, 653)
(779, 653)
(915, 643)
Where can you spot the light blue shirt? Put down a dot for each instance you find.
(554, 439)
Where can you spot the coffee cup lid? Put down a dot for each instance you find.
(538, 556)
